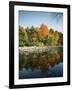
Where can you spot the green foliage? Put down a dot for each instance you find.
(51, 31)
(32, 37)
(23, 37)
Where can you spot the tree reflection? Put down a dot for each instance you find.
(41, 60)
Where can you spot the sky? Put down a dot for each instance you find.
(36, 18)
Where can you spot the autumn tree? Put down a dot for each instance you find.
(40, 36)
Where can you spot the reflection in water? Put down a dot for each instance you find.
(47, 63)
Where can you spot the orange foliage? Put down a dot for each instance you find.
(43, 30)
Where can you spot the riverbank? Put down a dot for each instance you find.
(36, 49)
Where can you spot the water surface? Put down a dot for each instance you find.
(41, 63)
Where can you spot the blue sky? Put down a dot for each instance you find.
(33, 18)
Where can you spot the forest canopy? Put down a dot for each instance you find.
(39, 36)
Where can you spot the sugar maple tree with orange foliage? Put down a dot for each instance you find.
(43, 30)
